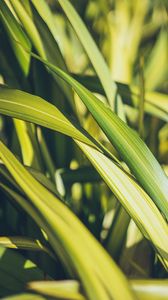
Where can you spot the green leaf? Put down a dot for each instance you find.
(29, 26)
(157, 61)
(117, 232)
(134, 199)
(130, 211)
(34, 109)
(92, 51)
(46, 27)
(29, 147)
(48, 162)
(25, 296)
(126, 206)
(68, 289)
(156, 104)
(150, 289)
(99, 275)
(16, 33)
(38, 175)
(144, 289)
(82, 175)
(31, 108)
(43, 40)
(24, 131)
(16, 271)
(130, 146)
(15, 242)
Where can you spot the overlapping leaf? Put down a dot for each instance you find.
(16, 33)
(136, 202)
(132, 149)
(156, 104)
(34, 109)
(141, 210)
(92, 50)
(62, 228)
(16, 271)
(69, 290)
(22, 243)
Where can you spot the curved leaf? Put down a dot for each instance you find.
(133, 150)
(16, 271)
(34, 109)
(16, 33)
(150, 289)
(62, 227)
(92, 50)
(15, 242)
(134, 199)
(68, 289)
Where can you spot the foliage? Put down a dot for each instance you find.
(83, 150)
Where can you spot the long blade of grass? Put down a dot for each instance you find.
(117, 232)
(92, 51)
(141, 98)
(15, 242)
(60, 289)
(29, 147)
(132, 205)
(157, 61)
(29, 26)
(4, 175)
(42, 38)
(25, 296)
(156, 104)
(28, 143)
(15, 32)
(63, 227)
(144, 289)
(150, 289)
(27, 107)
(136, 202)
(16, 270)
(44, 22)
(34, 109)
(18, 198)
(132, 149)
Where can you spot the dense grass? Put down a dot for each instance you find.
(83, 150)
